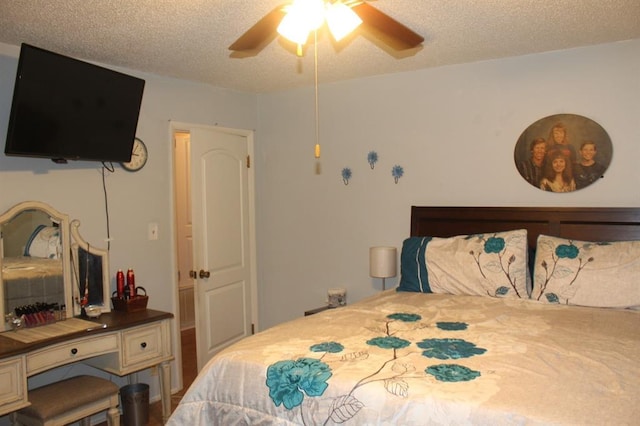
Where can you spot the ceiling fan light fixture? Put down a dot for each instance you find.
(341, 19)
(296, 19)
(292, 29)
(302, 17)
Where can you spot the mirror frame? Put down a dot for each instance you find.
(71, 241)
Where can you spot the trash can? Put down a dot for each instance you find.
(135, 404)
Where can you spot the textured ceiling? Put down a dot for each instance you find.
(188, 39)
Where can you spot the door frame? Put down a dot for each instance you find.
(177, 126)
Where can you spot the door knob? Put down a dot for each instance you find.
(204, 274)
(193, 274)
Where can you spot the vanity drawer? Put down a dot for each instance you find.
(64, 353)
(142, 344)
(13, 385)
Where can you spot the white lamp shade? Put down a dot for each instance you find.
(341, 20)
(292, 28)
(383, 262)
(303, 16)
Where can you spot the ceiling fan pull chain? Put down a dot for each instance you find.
(315, 68)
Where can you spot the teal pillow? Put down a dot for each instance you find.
(413, 268)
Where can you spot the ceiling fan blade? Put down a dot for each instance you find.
(261, 33)
(392, 32)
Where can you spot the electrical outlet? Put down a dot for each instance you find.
(152, 231)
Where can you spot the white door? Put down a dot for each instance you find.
(222, 238)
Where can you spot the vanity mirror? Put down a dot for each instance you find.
(90, 272)
(43, 259)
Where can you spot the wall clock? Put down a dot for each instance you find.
(139, 156)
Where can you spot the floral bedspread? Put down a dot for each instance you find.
(416, 359)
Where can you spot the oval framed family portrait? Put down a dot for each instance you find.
(563, 153)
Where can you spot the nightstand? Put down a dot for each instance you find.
(316, 310)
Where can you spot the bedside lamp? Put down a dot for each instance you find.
(382, 262)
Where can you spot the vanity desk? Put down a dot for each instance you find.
(46, 267)
(117, 342)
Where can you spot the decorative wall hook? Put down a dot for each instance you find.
(397, 172)
(372, 158)
(346, 175)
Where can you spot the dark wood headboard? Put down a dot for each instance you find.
(577, 223)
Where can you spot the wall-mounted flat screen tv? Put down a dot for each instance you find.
(67, 109)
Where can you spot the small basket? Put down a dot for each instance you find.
(135, 304)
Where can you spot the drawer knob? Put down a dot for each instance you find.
(74, 351)
(143, 345)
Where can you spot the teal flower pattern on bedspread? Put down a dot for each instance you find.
(452, 373)
(331, 347)
(449, 348)
(287, 380)
(388, 342)
(405, 317)
(290, 381)
(452, 326)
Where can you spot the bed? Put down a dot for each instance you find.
(504, 316)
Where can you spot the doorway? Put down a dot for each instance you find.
(184, 241)
(215, 235)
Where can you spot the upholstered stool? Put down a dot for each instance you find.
(70, 400)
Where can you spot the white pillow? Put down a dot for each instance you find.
(491, 264)
(587, 273)
(44, 242)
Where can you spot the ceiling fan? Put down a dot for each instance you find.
(391, 32)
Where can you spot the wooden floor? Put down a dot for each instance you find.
(189, 373)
